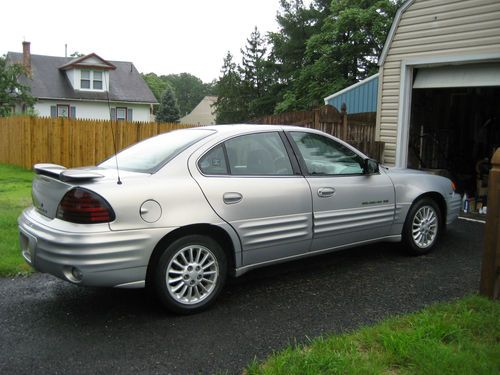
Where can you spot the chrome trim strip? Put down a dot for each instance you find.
(132, 285)
(472, 220)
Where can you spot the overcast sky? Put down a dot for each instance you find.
(163, 36)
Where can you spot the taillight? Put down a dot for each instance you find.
(84, 207)
(454, 186)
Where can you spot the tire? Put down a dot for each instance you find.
(423, 227)
(190, 274)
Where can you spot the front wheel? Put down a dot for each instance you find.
(422, 227)
(190, 273)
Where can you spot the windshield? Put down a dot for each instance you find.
(150, 155)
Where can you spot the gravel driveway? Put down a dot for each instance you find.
(49, 326)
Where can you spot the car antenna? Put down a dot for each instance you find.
(119, 182)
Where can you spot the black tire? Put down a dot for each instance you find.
(425, 219)
(200, 281)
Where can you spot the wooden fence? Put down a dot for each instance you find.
(25, 140)
(356, 129)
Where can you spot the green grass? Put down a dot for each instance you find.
(15, 195)
(462, 337)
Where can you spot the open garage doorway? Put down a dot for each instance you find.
(454, 131)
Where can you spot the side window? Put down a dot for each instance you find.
(325, 156)
(213, 162)
(258, 154)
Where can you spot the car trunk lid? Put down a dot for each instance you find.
(47, 191)
(53, 181)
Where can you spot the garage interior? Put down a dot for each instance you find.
(455, 126)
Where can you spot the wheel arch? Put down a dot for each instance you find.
(213, 231)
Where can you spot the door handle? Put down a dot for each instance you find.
(232, 198)
(326, 192)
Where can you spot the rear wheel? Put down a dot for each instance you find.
(422, 227)
(190, 274)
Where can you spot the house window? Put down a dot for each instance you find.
(97, 81)
(62, 110)
(85, 80)
(91, 80)
(121, 113)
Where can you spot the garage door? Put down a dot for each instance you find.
(469, 75)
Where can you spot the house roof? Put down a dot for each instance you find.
(48, 81)
(203, 113)
(88, 61)
(358, 98)
(392, 31)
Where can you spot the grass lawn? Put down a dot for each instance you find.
(15, 195)
(461, 337)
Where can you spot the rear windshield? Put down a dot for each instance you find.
(150, 155)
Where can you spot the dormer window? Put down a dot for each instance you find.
(97, 81)
(91, 80)
(85, 82)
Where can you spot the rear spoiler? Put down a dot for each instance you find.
(64, 174)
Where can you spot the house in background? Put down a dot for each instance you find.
(203, 113)
(358, 98)
(82, 87)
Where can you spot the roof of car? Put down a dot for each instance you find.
(238, 128)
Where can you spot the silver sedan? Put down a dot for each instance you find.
(181, 211)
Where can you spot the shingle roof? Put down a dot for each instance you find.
(48, 81)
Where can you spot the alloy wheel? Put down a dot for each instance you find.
(192, 274)
(425, 227)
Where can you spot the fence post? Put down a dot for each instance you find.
(490, 268)
(343, 113)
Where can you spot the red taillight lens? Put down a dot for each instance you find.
(454, 186)
(84, 207)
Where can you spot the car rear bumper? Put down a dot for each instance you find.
(101, 258)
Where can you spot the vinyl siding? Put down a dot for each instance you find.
(433, 28)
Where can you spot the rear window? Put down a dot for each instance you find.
(150, 155)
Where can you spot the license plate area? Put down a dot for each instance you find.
(28, 246)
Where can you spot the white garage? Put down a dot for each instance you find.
(439, 91)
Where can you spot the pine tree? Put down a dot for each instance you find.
(230, 106)
(169, 109)
(258, 77)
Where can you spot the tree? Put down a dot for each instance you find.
(189, 90)
(230, 106)
(319, 49)
(257, 77)
(76, 54)
(169, 109)
(343, 52)
(297, 24)
(157, 84)
(13, 92)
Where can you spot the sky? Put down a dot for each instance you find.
(163, 36)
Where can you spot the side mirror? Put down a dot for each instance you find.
(370, 167)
